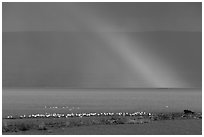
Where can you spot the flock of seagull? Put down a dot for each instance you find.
(61, 107)
(61, 115)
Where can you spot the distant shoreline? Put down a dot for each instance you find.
(82, 88)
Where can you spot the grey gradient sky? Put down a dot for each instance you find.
(102, 45)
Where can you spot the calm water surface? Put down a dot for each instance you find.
(28, 101)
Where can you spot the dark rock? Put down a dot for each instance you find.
(188, 112)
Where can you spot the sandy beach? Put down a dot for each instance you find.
(165, 127)
(187, 122)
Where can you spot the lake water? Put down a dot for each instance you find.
(29, 101)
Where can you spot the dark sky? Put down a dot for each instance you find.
(118, 16)
(102, 45)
